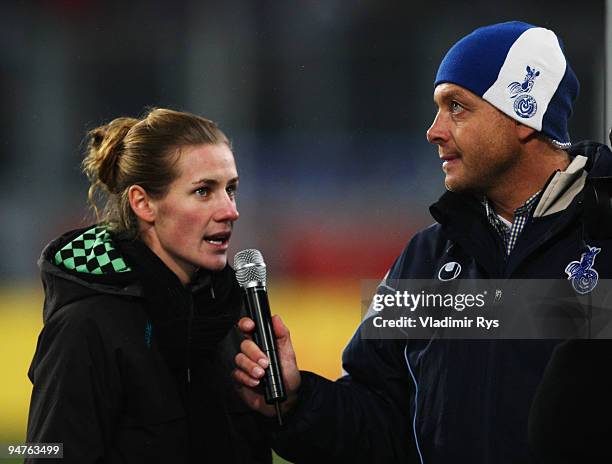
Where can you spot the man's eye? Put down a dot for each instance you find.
(455, 107)
(202, 191)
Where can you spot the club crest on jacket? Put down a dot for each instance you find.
(581, 273)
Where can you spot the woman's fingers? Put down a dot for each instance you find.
(251, 363)
(252, 351)
(249, 367)
(246, 326)
(244, 379)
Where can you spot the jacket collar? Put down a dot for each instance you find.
(463, 220)
(463, 217)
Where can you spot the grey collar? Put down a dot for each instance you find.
(563, 188)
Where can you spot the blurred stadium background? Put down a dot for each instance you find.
(326, 102)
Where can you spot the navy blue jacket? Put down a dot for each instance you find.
(439, 401)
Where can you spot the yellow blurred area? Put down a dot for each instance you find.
(321, 316)
(20, 324)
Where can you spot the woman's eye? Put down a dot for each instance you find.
(202, 191)
(232, 190)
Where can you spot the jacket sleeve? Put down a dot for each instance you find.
(362, 417)
(365, 416)
(72, 401)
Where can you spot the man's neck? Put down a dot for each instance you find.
(526, 180)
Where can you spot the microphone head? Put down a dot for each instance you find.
(250, 267)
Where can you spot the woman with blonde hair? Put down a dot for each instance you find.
(134, 359)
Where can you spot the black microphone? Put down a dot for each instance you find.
(251, 275)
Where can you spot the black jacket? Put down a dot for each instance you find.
(440, 400)
(133, 367)
(569, 422)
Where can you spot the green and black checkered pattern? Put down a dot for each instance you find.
(92, 253)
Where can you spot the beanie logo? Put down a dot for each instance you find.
(516, 88)
(525, 106)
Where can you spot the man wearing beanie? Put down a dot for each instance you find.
(514, 209)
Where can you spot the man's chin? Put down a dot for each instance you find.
(460, 186)
(453, 184)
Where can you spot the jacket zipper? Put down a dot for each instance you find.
(189, 324)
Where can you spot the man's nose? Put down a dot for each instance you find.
(437, 132)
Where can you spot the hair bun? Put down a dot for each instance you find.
(97, 136)
(104, 151)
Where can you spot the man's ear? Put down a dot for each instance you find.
(141, 203)
(524, 132)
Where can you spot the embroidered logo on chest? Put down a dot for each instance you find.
(581, 273)
(449, 271)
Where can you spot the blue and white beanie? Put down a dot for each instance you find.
(521, 70)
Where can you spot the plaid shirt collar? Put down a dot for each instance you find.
(510, 234)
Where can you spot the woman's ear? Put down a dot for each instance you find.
(141, 203)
